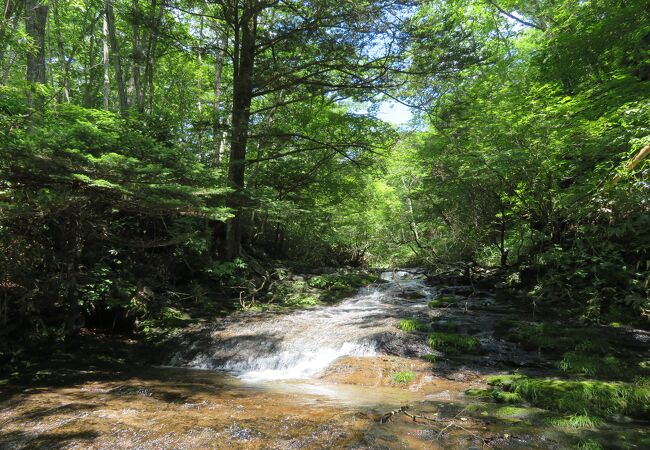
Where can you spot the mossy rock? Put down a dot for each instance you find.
(413, 295)
(580, 396)
(454, 344)
(442, 302)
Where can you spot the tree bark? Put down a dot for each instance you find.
(106, 64)
(155, 23)
(244, 62)
(218, 134)
(89, 79)
(35, 24)
(137, 58)
(65, 84)
(117, 63)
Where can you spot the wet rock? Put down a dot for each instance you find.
(402, 344)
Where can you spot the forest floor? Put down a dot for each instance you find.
(494, 375)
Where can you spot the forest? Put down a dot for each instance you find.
(164, 162)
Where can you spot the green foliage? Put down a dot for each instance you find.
(98, 217)
(412, 325)
(319, 289)
(403, 377)
(454, 344)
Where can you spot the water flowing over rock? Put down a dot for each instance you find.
(302, 344)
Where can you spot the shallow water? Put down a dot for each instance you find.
(320, 378)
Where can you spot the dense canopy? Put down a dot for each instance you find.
(170, 152)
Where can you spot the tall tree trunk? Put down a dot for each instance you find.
(89, 70)
(65, 84)
(218, 134)
(155, 23)
(199, 87)
(242, 96)
(117, 63)
(137, 56)
(35, 24)
(106, 64)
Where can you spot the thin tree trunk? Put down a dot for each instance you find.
(137, 58)
(65, 84)
(117, 63)
(242, 97)
(89, 79)
(151, 52)
(106, 64)
(35, 25)
(199, 86)
(218, 135)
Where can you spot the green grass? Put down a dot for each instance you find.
(454, 344)
(412, 325)
(403, 377)
(588, 445)
(507, 397)
(580, 363)
(576, 421)
(598, 398)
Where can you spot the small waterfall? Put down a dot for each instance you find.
(304, 343)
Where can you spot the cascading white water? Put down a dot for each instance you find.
(302, 344)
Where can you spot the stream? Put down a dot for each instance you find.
(315, 378)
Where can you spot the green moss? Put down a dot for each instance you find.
(403, 377)
(442, 302)
(454, 344)
(580, 397)
(479, 393)
(512, 412)
(412, 325)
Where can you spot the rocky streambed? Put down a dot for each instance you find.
(402, 364)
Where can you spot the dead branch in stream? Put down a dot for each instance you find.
(449, 423)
